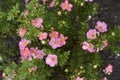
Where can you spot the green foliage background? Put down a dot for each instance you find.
(73, 61)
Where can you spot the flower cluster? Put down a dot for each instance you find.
(93, 34)
(29, 53)
(34, 53)
(57, 40)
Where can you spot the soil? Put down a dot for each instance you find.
(109, 12)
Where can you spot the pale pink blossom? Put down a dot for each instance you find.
(88, 0)
(78, 78)
(42, 36)
(25, 53)
(105, 78)
(37, 22)
(85, 45)
(54, 43)
(40, 54)
(52, 4)
(9, 78)
(22, 31)
(62, 40)
(66, 6)
(23, 43)
(91, 48)
(91, 34)
(54, 34)
(109, 69)
(101, 26)
(51, 60)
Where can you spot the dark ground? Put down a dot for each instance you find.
(109, 12)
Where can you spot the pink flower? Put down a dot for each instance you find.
(91, 48)
(22, 31)
(88, 0)
(54, 43)
(37, 22)
(66, 6)
(105, 78)
(85, 45)
(9, 78)
(91, 34)
(54, 34)
(42, 35)
(23, 43)
(25, 13)
(109, 69)
(51, 4)
(78, 78)
(88, 46)
(62, 40)
(51, 60)
(101, 26)
(25, 53)
(40, 54)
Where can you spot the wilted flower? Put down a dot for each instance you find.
(26, 1)
(101, 26)
(51, 60)
(22, 31)
(66, 5)
(34, 68)
(105, 43)
(37, 22)
(42, 36)
(25, 13)
(33, 52)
